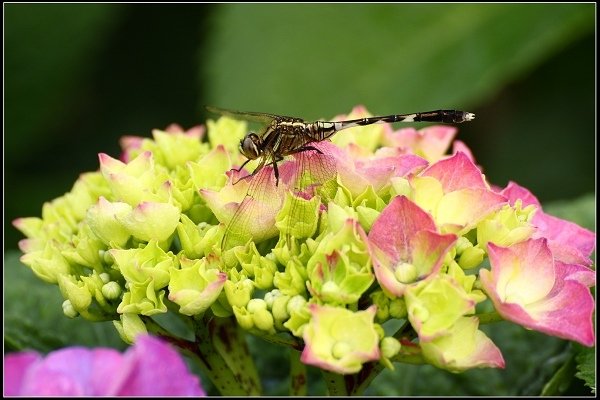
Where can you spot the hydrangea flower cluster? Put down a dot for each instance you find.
(406, 230)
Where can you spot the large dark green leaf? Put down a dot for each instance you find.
(322, 59)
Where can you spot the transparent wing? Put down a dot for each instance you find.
(249, 115)
(308, 173)
(255, 217)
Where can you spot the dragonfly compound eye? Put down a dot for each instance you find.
(250, 146)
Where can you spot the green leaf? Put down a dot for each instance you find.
(586, 366)
(33, 316)
(317, 60)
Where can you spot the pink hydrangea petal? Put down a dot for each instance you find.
(429, 249)
(16, 366)
(149, 368)
(455, 173)
(378, 170)
(562, 233)
(153, 368)
(396, 225)
(486, 353)
(435, 141)
(404, 138)
(580, 273)
(73, 372)
(564, 311)
(524, 269)
(514, 192)
(460, 147)
(569, 242)
(463, 209)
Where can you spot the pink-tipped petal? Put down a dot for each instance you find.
(456, 172)
(528, 287)
(396, 225)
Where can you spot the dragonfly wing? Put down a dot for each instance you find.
(308, 173)
(255, 217)
(250, 115)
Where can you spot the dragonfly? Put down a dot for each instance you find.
(283, 136)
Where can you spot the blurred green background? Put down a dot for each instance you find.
(77, 77)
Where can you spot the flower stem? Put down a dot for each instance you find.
(298, 380)
(336, 384)
(220, 352)
(490, 317)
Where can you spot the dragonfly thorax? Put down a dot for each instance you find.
(251, 146)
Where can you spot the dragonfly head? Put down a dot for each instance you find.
(251, 146)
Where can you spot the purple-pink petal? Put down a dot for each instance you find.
(16, 366)
(149, 368)
(397, 225)
(528, 287)
(455, 173)
(569, 242)
(152, 368)
(405, 233)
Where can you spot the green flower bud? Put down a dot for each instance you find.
(227, 132)
(389, 347)
(435, 305)
(133, 182)
(129, 327)
(406, 273)
(264, 273)
(111, 290)
(296, 303)
(69, 310)
(293, 280)
(104, 220)
(138, 265)
(263, 320)
(471, 258)
(189, 237)
(367, 216)
(143, 299)
(337, 216)
(462, 244)
(299, 316)
(151, 221)
(209, 172)
(255, 305)
(298, 217)
(398, 308)
(75, 291)
(175, 148)
(506, 226)
(270, 297)
(239, 294)
(243, 317)
(195, 287)
(280, 311)
(400, 187)
(48, 264)
(104, 277)
(382, 302)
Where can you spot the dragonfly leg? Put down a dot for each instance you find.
(277, 158)
(242, 166)
(304, 148)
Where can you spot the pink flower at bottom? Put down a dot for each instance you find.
(149, 368)
(530, 287)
